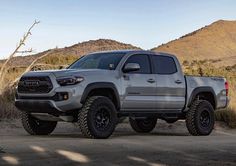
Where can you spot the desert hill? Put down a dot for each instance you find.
(66, 55)
(216, 41)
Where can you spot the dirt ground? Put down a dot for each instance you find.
(166, 145)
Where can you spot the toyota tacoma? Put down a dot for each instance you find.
(99, 88)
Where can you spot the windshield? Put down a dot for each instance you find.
(106, 61)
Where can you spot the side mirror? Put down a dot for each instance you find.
(131, 67)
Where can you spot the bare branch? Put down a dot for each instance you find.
(4, 69)
(25, 51)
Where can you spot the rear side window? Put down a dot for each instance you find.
(163, 64)
(143, 62)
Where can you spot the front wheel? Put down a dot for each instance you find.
(143, 125)
(35, 126)
(200, 118)
(98, 117)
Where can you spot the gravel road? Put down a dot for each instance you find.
(166, 145)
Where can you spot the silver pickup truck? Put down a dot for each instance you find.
(99, 88)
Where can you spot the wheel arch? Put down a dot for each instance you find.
(204, 93)
(107, 89)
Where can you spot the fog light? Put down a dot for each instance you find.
(60, 96)
(65, 96)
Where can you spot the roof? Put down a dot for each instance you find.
(135, 52)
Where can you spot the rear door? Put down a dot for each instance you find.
(139, 86)
(170, 89)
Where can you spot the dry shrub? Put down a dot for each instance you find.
(7, 108)
(228, 116)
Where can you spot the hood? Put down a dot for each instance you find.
(63, 72)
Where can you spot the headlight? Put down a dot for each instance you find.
(72, 80)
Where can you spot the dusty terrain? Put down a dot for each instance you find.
(166, 145)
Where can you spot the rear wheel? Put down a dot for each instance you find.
(97, 118)
(143, 125)
(200, 118)
(35, 126)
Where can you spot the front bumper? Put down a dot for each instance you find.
(49, 103)
(44, 105)
(36, 106)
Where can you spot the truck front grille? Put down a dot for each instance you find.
(40, 84)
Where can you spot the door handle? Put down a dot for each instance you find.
(178, 81)
(151, 80)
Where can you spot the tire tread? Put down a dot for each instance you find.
(191, 122)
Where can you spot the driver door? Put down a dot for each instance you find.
(139, 86)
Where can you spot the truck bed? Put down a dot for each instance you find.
(216, 84)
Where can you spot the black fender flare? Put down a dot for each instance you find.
(100, 85)
(198, 90)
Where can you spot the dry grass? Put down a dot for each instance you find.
(228, 116)
(7, 108)
(8, 111)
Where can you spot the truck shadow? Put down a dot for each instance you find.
(115, 135)
(120, 134)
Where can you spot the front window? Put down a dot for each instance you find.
(143, 62)
(106, 61)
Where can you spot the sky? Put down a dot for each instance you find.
(143, 23)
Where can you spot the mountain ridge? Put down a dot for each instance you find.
(216, 42)
(74, 51)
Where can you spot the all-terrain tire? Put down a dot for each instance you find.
(98, 117)
(35, 126)
(143, 125)
(200, 118)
